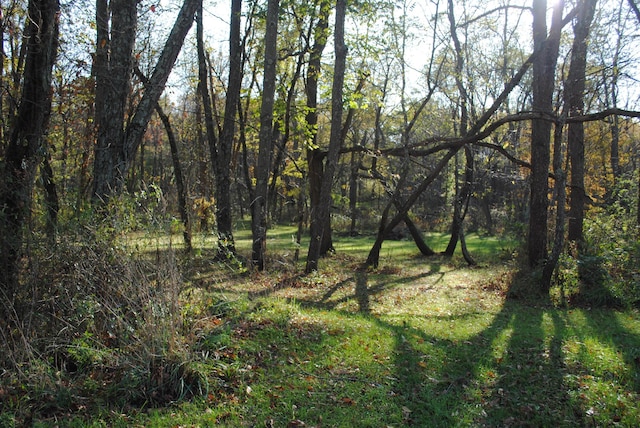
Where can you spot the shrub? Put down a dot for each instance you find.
(612, 254)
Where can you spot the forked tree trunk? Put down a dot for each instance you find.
(116, 146)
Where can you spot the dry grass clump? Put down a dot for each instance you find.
(91, 317)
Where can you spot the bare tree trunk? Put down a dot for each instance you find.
(335, 140)
(574, 99)
(353, 193)
(543, 84)
(180, 187)
(315, 156)
(418, 239)
(461, 205)
(203, 89)
(23, 152)
(222, 166)
(560, 196)
(177, 169)
(52, 204)
(374, 254)
(116, 29)
(259, 207)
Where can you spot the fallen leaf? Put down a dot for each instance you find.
(348, 401)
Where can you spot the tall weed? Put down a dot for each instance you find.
(92, 315)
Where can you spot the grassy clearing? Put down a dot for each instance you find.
(418, 342)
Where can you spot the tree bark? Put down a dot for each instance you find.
(560, 196)
(460, 212)
(374, 254)
(315, 156)
(222, 166)
(51, 201)
(543, 84)
(574, 99)
(335, 140)
(112, 68)
(24, 149)
(259, 207)
(479, 130)
(177, 170)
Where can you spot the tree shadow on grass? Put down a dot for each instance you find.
(606, 326)
(512, 373)
(512, 370)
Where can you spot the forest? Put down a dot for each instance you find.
(188, 186)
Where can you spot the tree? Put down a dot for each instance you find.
(112, 70)
(116, 143)
(463, 195)
(544, 67)
(222, 157)
(315, 156)
(26, 149)
(321, 217)
(259, 207)
(574, 105)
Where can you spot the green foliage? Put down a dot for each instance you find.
(612, 252)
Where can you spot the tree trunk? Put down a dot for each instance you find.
(461, 204)
(374, 254)
(560, 196)
(574, 99)
(315, 163)
(177, 168)
(203, 89)
(463, 193)
(543, 84)
(418, 239)
(23, 152)
(315, 156)
(353, 193)
(222, 166)
(112, 68)
(52, 204)
(284, 138)
(323, 212)
(180, 187)
(259, 207)
(116, 146)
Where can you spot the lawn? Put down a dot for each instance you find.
(416, 342)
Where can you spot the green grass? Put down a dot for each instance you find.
(417, 342)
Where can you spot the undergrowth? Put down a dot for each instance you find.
(110, 332)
